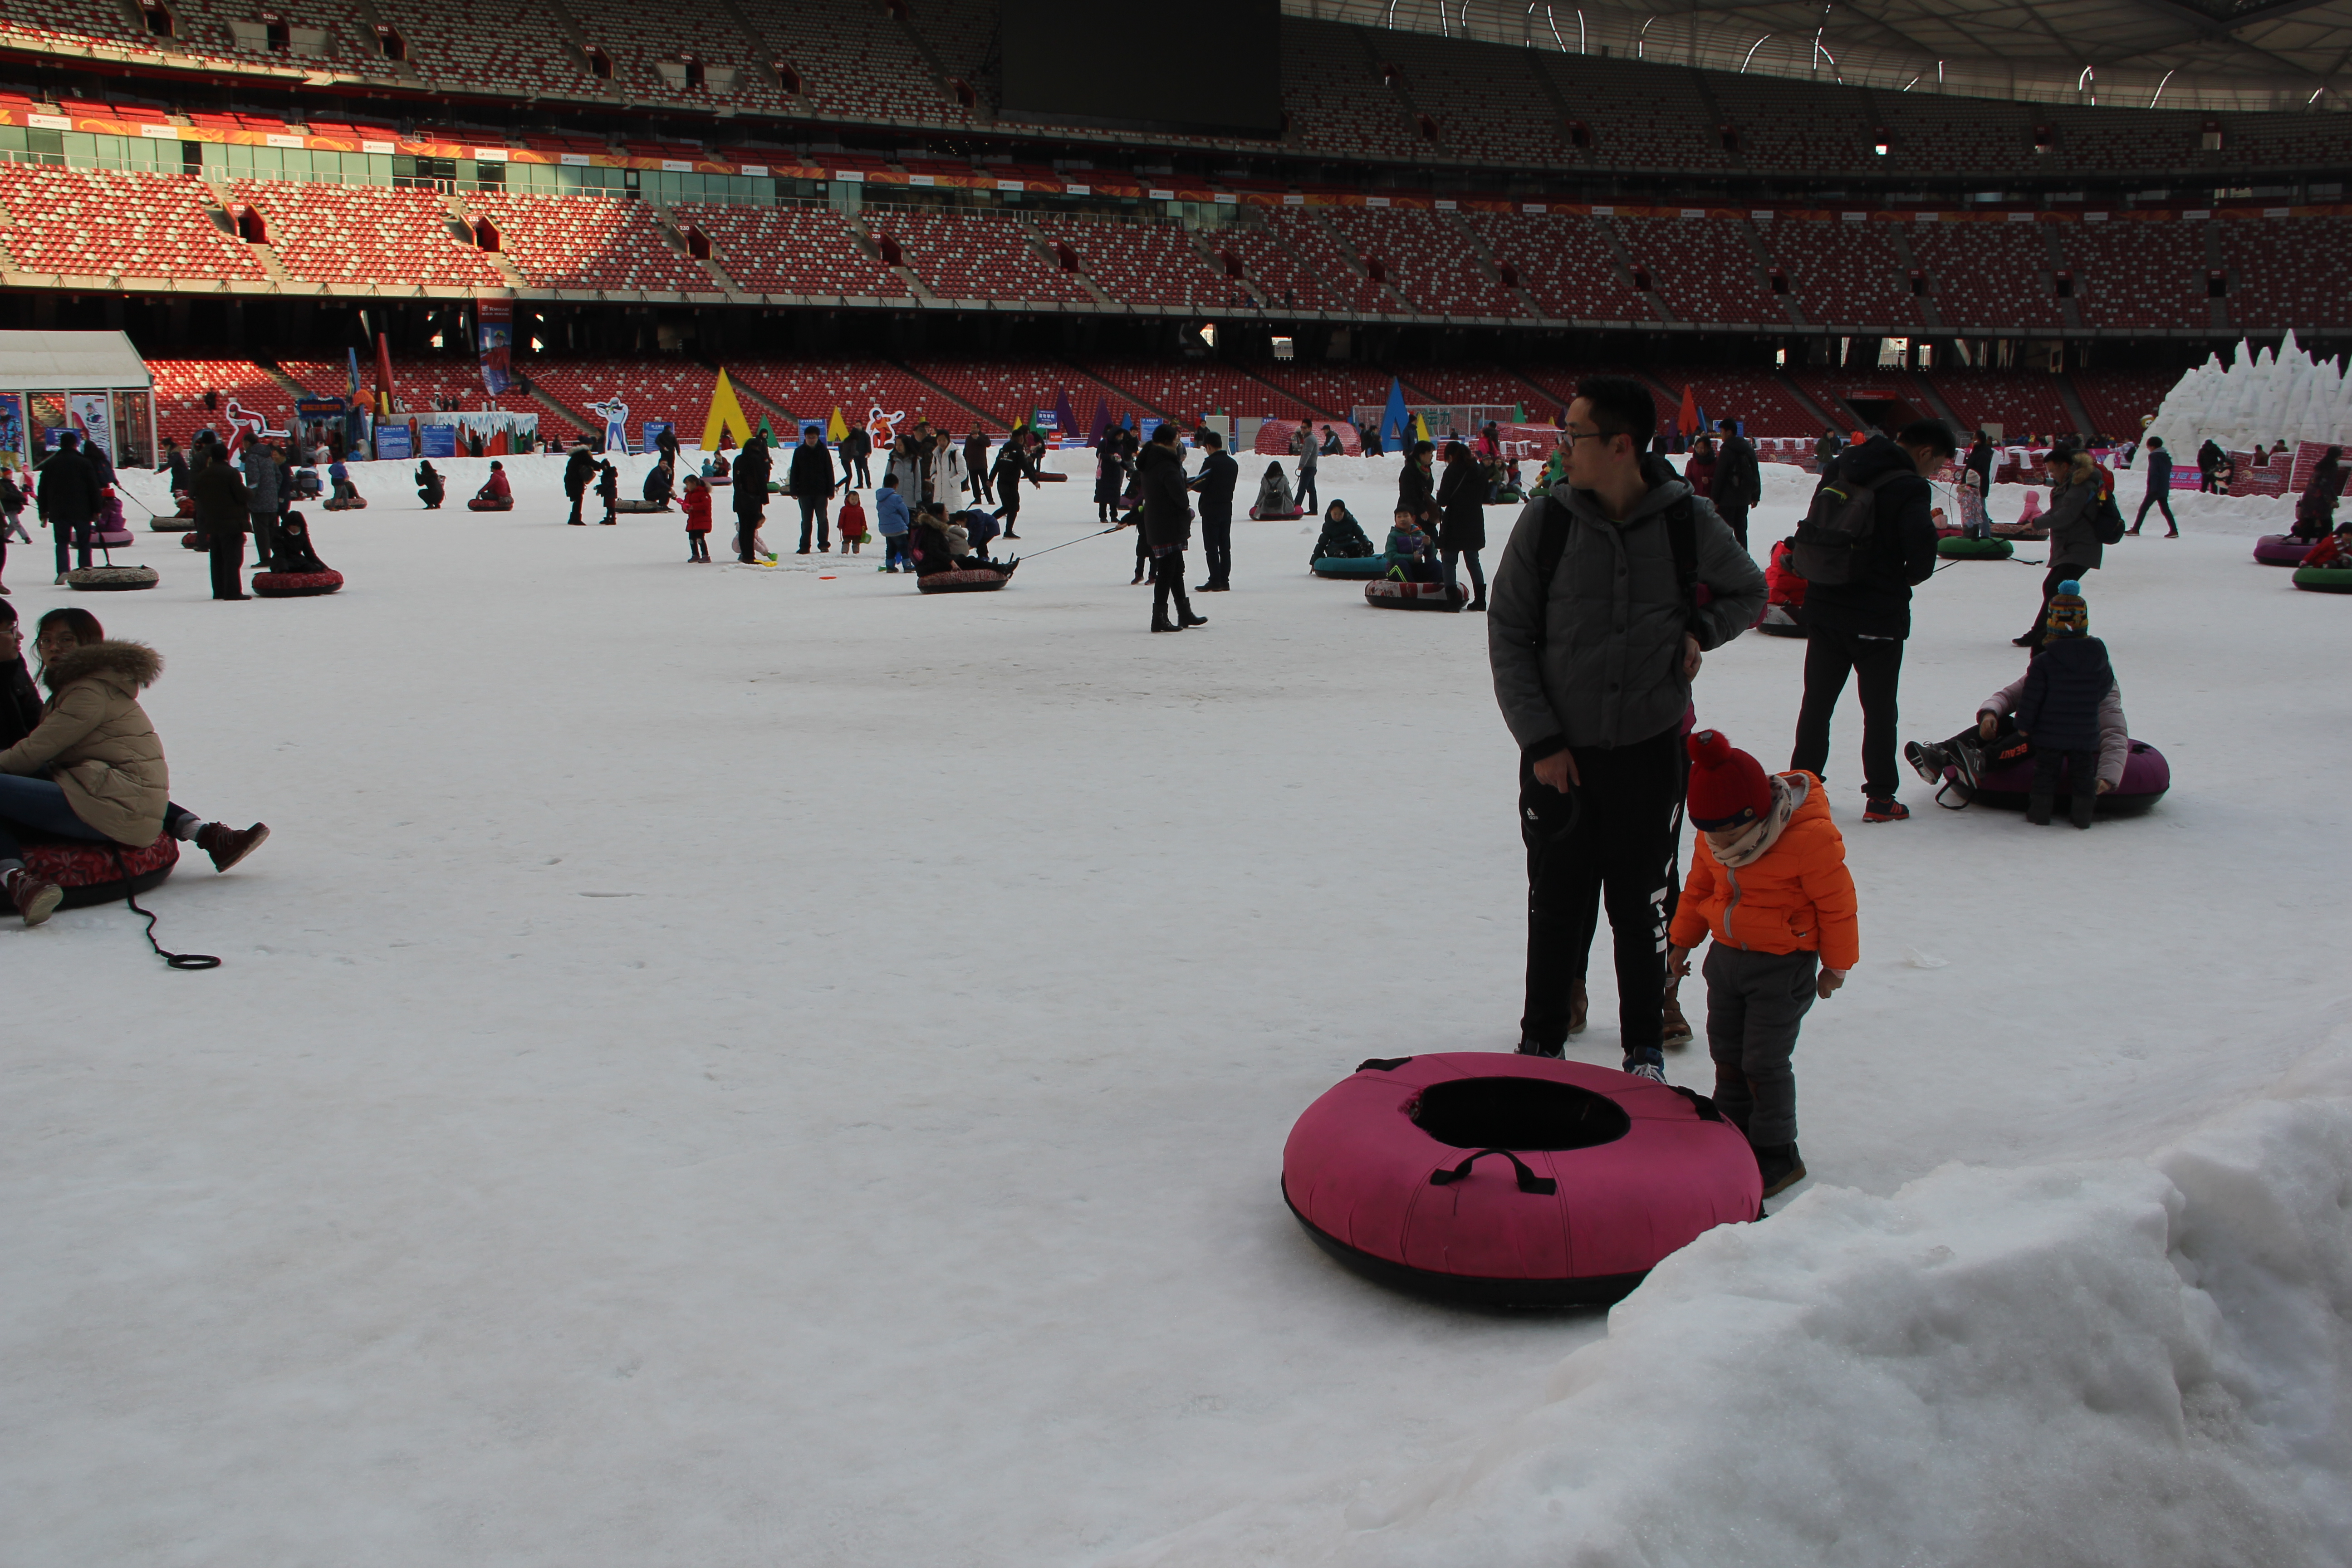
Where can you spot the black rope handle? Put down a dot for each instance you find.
(1528, 1181)
(1699, 1102)
(176, 960)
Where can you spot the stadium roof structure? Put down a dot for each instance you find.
(2171, 54)
(70, 361)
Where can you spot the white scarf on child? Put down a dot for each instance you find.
(1788, 794)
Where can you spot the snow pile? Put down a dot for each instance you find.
(2122, 1361)
(2196, 510)
(2262, 397)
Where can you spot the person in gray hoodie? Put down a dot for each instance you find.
(260, 461)
(2072, 518)
(1592, 660)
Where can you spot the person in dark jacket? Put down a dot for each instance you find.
(661, 483)
(1342, 537)
(1980, 462)
(1014, 462)
(1111, 474)
(67, 498)
(752, 469)
(812, 482)
(579, 473)
(856, 447)
(222, 512)
(1739, 480)
(1417, 486)
(1461, 502)
(2314, 509)
(260, 465)
(975, 465)
(2075, 488)
(2058, 712)
(12, 508)
(20, 699)
(1218, 475)
(1859, 629)
(1826, 448)
(2159, 488)
(1592, 665)
(430, 490)
(608, 490)
(1167, 526)
(2210, 458)
(175, 465)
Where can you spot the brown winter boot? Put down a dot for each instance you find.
(35, 900)
(1674, 1032)
(1577, 1006)
(227, 845)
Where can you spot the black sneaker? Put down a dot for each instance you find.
(1537, 1049)
(1780, 1165)
(1927, 760)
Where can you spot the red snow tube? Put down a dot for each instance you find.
(296, 585)
(2281, 549)
(479, 504)
(1512, 1180)
(1388, 594)
(2147, 775)
(94, 873)
(969, 580)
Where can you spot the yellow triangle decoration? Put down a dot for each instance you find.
(838, 428)
(726, 416)
(1419, 428)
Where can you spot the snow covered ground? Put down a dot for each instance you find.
(729, 1066)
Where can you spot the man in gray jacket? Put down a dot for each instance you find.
(1309, 455)
(259, 460)
(1593, 660)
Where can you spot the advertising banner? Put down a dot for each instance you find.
(90, 416)
(392, 443)
(494, 322)
(437, 440)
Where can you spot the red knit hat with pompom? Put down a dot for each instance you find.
(1727, 787)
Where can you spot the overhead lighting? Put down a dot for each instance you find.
(2159, 89)
(1752, 53)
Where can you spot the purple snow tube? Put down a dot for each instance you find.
(2147, 775)
(2281, 549)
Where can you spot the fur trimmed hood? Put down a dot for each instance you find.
(133, 665)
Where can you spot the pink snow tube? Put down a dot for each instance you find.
(1512, 1180)
(2281, 549)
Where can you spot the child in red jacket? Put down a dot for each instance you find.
(1769, 881)
(851, 523)
(696, 504)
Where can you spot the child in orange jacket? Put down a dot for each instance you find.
(1768, 880)
(696, 504)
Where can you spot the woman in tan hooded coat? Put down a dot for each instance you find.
(93, 768)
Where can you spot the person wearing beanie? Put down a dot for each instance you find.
(2058, 709)
(2076, 494)
(1768, 883)
(1596, 629)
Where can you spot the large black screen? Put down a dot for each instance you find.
(1208, 68)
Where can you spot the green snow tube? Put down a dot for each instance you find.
(1975, 549)
(2324, 579)
(1354, 568)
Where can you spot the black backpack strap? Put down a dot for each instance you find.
(1551, 543)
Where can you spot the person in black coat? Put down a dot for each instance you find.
(2058, 712)
(1214, 486)
(1111, 474)
(975, 465)
(812, 482)
(855, 449)
(579, 473)
(1859, 627)
(175, 465)
(1739, 480)
(1416, 487)
(20, 699)
(608, 490)
(1462, 526)
(1167, 527)
(2210, 458)
(67, 498)
(750, 473)
(1980, 462)
(430, 489)
(221, 518)
(1014, 462)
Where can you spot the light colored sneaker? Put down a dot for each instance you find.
(35, 900)
(1655, 1071)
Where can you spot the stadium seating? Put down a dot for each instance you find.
(1564, 262)
(364, 233)
(673, 387)
(2137, 274)
(813, 388)
(100, 222)
(485, 45)
(1427, 259)
(1335, 101)
(1932, 133)
(1142, 264)
(181, 385)
(1465, 384)
(708, 35)
(1842, 272)
(1480, 97)
(2119, 399)
(855, 63)
(1274, 273)
(1754, 397)
(2289, 272)
(579, 242)
(2022, 402)
(791, 250)
(1186, 389)
(1703, 268)
(1796, 127)
(1303, 235)
(1332, 389)
(962, 254)
(1004, 389)
(1987, 274)
(1639, 117)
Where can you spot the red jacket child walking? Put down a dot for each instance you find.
(696, 504)
(851, 523)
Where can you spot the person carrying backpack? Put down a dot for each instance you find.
(1738, 481)
(1596, 625)
(2078, 523)
(1858, 596)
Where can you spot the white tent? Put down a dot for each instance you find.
(91, 382)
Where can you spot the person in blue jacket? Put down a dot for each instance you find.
(2160, 487)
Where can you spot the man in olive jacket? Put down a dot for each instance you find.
(1592, 669)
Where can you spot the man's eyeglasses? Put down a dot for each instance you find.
(1573, 436)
